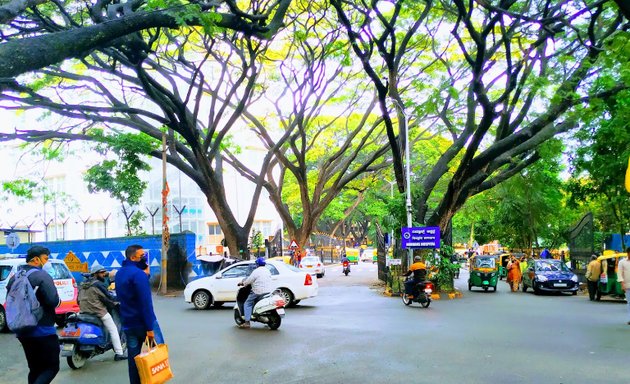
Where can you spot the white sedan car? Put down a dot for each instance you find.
(313, 265)
(221, 287)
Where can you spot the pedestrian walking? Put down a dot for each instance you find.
(136, 305)
(623, 276)
(593, 271)
(40, 344)
(514, 274)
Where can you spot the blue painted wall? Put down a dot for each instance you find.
(614, 242)
(110, 252)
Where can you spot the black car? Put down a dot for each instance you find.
(549, 275)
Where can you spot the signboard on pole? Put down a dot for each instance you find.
(12, 240)
(293, 244)
(420, 237)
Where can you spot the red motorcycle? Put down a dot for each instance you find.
(346, 268)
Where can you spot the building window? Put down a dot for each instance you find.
(214, 229)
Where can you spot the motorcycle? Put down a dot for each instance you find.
(346, 268)
(422, 294)
(268, 310)
(84, 337)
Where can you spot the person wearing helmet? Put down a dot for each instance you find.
(419, 271)
(260, 280)
(95, 299)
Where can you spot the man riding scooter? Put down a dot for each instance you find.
(95, 299)
(260, 280)
(345, 262)
(419, 270)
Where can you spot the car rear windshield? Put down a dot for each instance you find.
(310, 260)
(5, 270)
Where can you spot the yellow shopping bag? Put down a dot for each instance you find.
(153, 365)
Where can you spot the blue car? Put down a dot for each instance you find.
(550, 276)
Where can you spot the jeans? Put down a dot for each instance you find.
(42, 355)
(249, 304)
(135, 338)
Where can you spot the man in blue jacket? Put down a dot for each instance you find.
(41, 345)
(136, 305)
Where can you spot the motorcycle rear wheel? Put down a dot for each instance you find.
(274, 321)
(77, 360)
(406, 300)
(425, 304)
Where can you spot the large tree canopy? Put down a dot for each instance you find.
(508, 77)
(38, 33)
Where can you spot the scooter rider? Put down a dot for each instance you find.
(260, 280)
(345, 260)
(96, 300)
(419, 270)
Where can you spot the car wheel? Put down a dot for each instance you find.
(494, 289)
(201, 299)
(3, 320)
(296, 302)
(536, 289)
(217, 304)
(523, 286)
(287, 296)
(469, 287)
(574, 293)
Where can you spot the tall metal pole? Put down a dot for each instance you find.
(408, 177)
(165, 234)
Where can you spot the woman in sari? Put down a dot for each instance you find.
(514, 274)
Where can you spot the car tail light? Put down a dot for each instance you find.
(319, 265)
(74, 283)
(308, 280)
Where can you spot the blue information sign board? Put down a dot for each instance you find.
(420, 237)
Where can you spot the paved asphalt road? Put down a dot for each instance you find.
(351, 333)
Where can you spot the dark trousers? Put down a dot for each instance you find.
(410, 287)
(592, 288)
(135, 338)
(42, 355)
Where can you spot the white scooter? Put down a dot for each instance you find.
(269, 309)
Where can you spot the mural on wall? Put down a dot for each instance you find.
(81, 255)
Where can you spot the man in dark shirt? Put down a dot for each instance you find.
(41, 345)
(136, 305)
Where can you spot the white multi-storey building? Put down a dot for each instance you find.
(62, 207)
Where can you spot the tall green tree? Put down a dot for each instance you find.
(505, 80)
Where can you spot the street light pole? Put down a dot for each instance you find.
(408, 177)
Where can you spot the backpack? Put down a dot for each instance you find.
(22, 307)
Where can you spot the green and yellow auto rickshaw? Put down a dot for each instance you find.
(611, 287)
(503, 260)
(484, 272)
